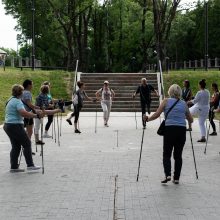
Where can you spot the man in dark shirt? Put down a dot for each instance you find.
(145, 90)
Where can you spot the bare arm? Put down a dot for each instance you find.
(189, 117)
(97, 94)
(26, 114)
(28, 102)
(158, 112)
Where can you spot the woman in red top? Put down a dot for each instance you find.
(213, 105)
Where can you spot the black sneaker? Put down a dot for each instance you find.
(166, 179)
(202, 140)
(77, 131)
(214, 133)
(33, 153)
(39, 142)
(175, 181)
(69, 121)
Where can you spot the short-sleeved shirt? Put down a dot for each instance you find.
(79, 98)
(42, 101)
(177, 116)
(145, 92)
(26, 96)
(12, 115)
(186, 92)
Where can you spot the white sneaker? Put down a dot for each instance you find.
(33, 168)
(46, 135)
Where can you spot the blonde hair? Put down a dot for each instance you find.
(17, 90)
(175, 91)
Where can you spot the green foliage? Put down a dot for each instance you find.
(61, 83)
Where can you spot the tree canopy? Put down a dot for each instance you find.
(115, 35)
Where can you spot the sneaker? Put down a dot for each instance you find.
(202, 140)
(77, 131)
(18, 170)
(214, 133)
(33, 153)
(33, 168)
(46, 135)
(166, 179)
(175, 181)
(69, 121)
(39, 142)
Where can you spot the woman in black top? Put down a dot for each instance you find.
(214, 102)
(78, 99)
(186, 91)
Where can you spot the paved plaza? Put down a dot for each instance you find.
(92, 176)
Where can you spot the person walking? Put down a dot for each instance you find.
(186, 91)
(214, 102)
(145, 91)
(106, 95)
(201, 108)
(78, 101)
(14, 128)
(175, 124)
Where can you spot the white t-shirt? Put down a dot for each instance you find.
(106, 94)
(202, 98)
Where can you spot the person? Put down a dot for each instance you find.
(201, 107)
(14, 128)
(213, 105)
(78, 101)
(43, 103)
(145, 90)
(106, 95)
(175, 124)
(49, 117)
(186, 91)
(27, 101)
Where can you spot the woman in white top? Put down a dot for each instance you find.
(201, 108)
(107, 96)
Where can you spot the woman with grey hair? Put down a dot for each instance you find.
(175, 130)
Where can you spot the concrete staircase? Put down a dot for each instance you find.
(124, 85)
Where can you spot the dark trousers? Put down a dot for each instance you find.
(145, 104)
(18, 138)
(211, 119)
(174, 139)
(49, 122)
(76, 113)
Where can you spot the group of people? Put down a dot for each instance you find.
(179, 107)
(22, 114)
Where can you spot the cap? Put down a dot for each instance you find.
(106, 82)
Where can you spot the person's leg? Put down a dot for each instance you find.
(202, 118)
(105, 112)
(18, 137)
(143, 110)
(180, 139)
(29, 129)
(211, 119)
(37, 123)
(167, 151)
(47, 127)
(109, 105)
(76, 111)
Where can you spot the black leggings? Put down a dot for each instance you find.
(143, 109)
(174, 138)
(49, 122)
(76, 113)
(211, 119)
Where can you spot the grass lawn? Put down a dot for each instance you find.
(194, 77)
(61, 83)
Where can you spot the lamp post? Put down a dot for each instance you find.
(206, 36)
(33, 36)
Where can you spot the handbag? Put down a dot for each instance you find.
(161, 128)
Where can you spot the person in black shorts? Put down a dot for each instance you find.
(145, 90)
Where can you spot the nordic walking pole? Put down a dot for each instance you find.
(140, 155)
(207, 138)
(61, 123)
(95, 116)
(54, 127)
(58, 131)
(190, 132)
(42, 146)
